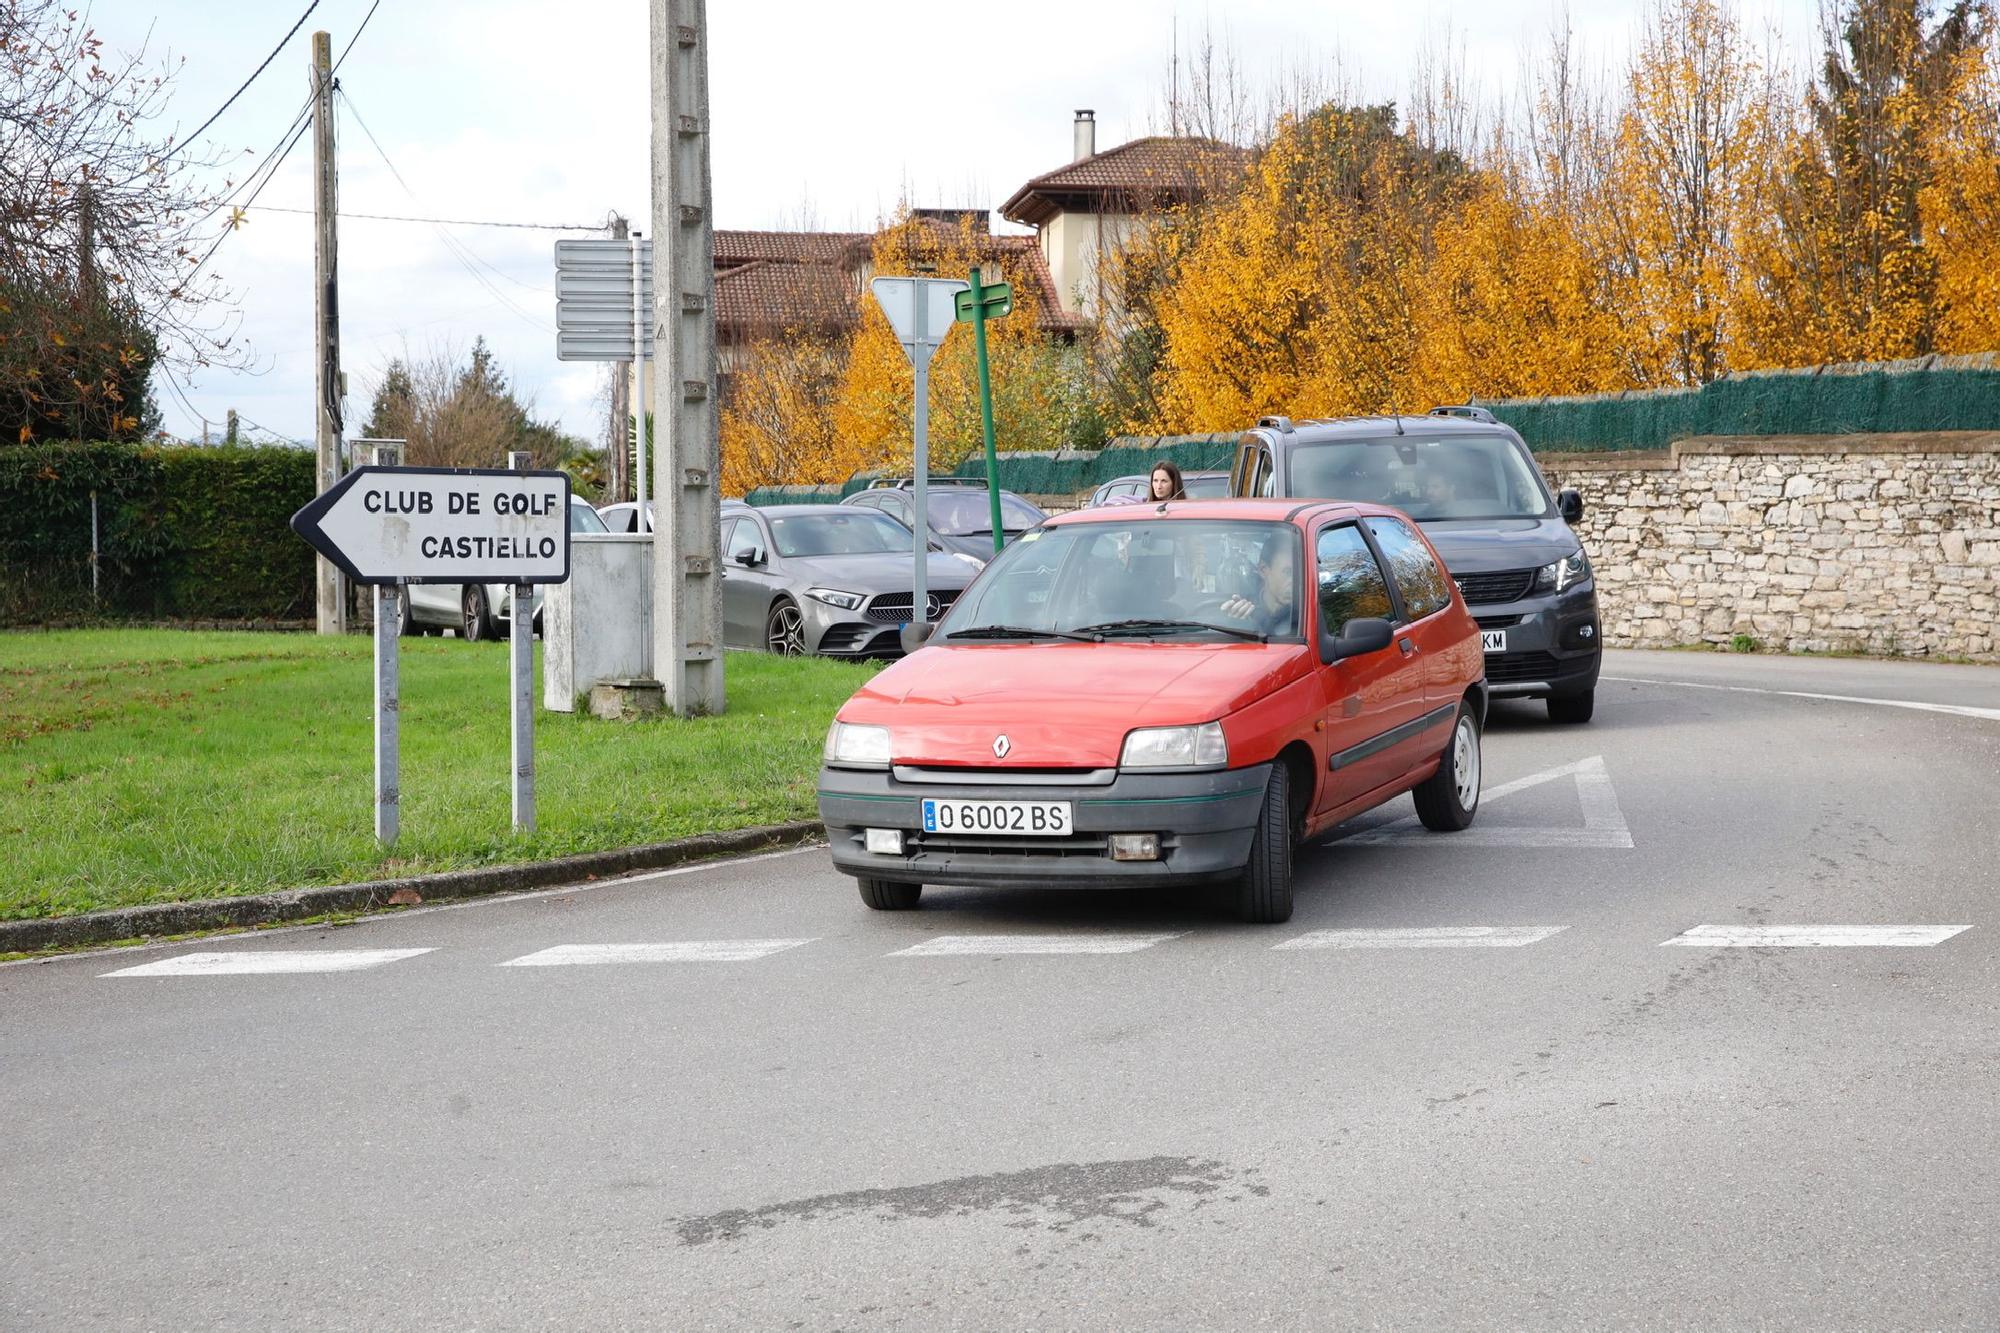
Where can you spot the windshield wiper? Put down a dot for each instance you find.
(1111, 626)
(1016, 632)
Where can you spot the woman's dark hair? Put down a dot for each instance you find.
(1179, 491)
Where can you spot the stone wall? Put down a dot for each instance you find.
(1822, 543)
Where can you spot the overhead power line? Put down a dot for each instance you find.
(449, 222)
(254, 73)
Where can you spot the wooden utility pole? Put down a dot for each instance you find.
(332, 588)
(687, 582)
(619, 445)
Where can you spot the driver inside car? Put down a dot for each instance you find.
(1271, 610)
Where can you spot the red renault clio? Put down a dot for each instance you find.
(1174, 693)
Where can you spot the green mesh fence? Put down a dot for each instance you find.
(1825, 401)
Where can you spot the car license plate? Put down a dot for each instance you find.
(1493, 640)
(1012, 819)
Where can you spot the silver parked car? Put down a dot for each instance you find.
(480, 610)
(1137, 488)
(826, 579)
(961, 515)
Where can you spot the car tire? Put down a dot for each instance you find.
(476, 620)
(1264, 890)
(1572, 709)
(888, 896)
(407, 625)
(1449, 798)
(785, 629)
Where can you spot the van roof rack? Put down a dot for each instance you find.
(1282, 425)
(1464, 411)
(904, 483)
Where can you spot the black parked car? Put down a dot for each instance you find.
(1472, 484)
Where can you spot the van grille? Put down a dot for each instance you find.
(1507, 585)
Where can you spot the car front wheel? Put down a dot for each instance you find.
(1264, 890)
(476, 623)
(886, 896)
(785, 629)
(1449, 798)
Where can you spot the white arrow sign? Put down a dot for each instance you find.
(443, 525)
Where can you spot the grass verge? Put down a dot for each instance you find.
(153, 765)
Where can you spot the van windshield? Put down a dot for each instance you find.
(1461, 476)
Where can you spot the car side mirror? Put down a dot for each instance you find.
(1370, 634)
(914, 635)
(751, 558)
(1570, 505)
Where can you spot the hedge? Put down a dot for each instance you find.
(184, 532)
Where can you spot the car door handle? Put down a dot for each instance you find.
(1409, 646)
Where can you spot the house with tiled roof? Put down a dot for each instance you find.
(1090, 208)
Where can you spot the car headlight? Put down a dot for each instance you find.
(852, 746)
(1559, 575)
(1176, 747)
(846, 601)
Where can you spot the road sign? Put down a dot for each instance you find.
(595, 312)
(998, 298)
(443, 525)
(920, 310)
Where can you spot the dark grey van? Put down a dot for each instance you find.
(1470, 481)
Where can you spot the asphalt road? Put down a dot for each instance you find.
(1204, 1128)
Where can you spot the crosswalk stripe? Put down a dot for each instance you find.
(1424, 937)
(677, 951)
(246, 962)
(945, 945)
(1813, 937)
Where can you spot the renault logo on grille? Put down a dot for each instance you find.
(1000, 747)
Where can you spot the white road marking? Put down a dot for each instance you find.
(1603, 822)
(1814, 937)
(678, 951)
(247, 962)
(455, 905)
(1424, 937)
(1955, 710)
(945, 945)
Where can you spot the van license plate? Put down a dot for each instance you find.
(1493, 640)
(1012, 819)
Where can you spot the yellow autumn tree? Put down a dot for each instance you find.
(1042, 397)
(1959, 206)
(778, 425)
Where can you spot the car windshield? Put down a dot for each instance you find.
(582, 518)
(1143, 578)
(1460, 476)
(846, 532)
(961, 513)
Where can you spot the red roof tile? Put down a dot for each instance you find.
(733, 248)
(1142, 173)
(763, 297)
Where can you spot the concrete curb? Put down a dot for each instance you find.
(256, 909)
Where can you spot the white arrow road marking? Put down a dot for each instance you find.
(1424, 937)
(945, 945)
(247, 962)
(1603, 823)
(679, 951)
(1956, 710)
(1814, 937)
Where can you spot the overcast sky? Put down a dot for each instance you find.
(531, 112)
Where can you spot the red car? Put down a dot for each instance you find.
(1146, 694)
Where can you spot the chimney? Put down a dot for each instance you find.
(1086, 135)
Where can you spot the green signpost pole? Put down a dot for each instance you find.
(978, 303)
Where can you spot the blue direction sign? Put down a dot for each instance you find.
(443, 525)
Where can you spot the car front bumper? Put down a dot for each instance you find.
(1205, 823)
(1554, 644)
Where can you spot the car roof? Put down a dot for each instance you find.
(1254, 510)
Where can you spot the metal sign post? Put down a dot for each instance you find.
(388, 683)
(393, 526)
(921, 311)
(979, 303)
(521, 674)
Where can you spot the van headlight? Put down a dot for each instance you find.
(851, 746)
(1574, 568)
(1176, 747)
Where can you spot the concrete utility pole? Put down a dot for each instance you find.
(332, 588)
(621, 403)
(687, 582)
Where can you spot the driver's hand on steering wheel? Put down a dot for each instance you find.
(1238, 608)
